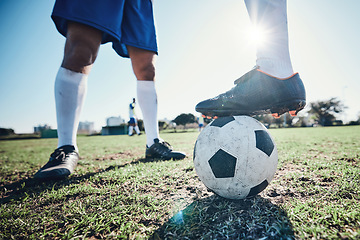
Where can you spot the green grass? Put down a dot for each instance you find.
(117, 194)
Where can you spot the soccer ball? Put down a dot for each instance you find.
(235, 157)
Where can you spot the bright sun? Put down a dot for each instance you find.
(256, 35)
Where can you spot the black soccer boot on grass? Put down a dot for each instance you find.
(162, 150)
(257, 93)
(61, 164)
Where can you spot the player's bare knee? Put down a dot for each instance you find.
(79, 56)
(142, 62)
(145, 72)
(81, 47)
(148, 74)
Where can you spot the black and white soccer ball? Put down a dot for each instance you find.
(235, 157)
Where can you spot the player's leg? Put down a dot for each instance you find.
(131, 126)
(136, 127)
(143, 64)
(272, 86)
(144, 70)
(81, 48)
(270, 18)
(138, 41)
(131, 129)
(137, 130)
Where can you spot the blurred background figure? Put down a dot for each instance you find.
(201, 122)
(133, 125)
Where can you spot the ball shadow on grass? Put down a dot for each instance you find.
(215, 217)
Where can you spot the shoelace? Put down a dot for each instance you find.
(58, 154)
(55, 158)
(163, 147)
(167, 145)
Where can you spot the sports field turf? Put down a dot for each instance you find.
(116, 193)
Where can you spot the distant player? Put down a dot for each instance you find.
(129, 25)
(201, 122)
(272, 86)
(133, 125)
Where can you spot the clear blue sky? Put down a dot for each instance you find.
(203, 47)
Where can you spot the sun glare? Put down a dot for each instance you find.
(256, 36)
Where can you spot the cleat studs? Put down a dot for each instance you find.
(293, 113)
(275, 115)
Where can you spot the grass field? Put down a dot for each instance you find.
(115, 193)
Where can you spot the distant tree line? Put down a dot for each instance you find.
(324, 111)
(184, 119)
(6, 131)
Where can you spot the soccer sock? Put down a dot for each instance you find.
(147, 99)
(137, 130)
(70, 92)
(131, 128)
(273, 55)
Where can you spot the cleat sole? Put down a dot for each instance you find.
(276, 115)
(293, 113)
(209, 117)
(293, 109)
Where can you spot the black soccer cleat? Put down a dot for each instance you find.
(61, 164)
(162, 150)
(257, 93)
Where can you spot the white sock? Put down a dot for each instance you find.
(70, 92)
(137, 130)
(147, 99)
(273, 55)
(131, 128)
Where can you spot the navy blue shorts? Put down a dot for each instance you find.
(132, 121)
(123, 22)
